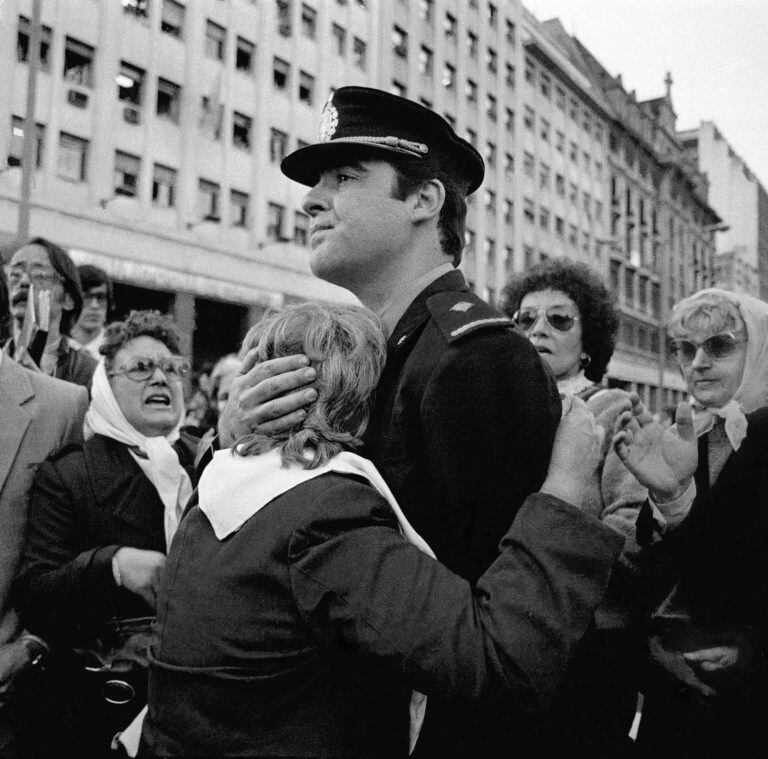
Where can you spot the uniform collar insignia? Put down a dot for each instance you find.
(461, 306)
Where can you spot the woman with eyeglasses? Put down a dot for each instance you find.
(101, 518)
(567, 313)
(707, 685)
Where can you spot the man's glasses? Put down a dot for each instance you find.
(40, 278)
(716, 347)
(558, 319)
(141, 369)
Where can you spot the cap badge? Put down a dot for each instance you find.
(462, 306)
(329, 120)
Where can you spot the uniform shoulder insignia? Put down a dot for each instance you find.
(461, 313)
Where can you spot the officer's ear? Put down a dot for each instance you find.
(428, 200)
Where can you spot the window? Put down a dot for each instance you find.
(493, 16)
(16, 146)
(449, 27)
(573, 235)
(426, 10)
(163, 186)
(208, 200)
(471, 44)
(211, 116)
(509, 164)
(545, 85)
(559, 226)
(490, 107)
(449, 76)
(278, 145)
(172, 18)
(598, 210)
(471, 91)
(126, 177)
(284, 18)
(275, 220)
(509, 120)
(215, 41)
(425, 61)
(509, 78)
(400, 42)
(510, 33)
(586, 121)
(586, 201)
(359, 54)
(543, 175)
(560, 185)
(308, 22)
(574, 110)
(137, 8)
(544, 129)
(529, 116)
(529, 163)
(362, 3)
(492, 60)
(560, 142)
(168, 100)
(573, 193)
(130, 83)
(530, 71)
(300, 228)
(528, 210)
(398, 88)
(281, 71)
(72, 161)
(472, 139)
(574, 152)
(244, 53)
(509, 210)
(490, 202)
(450, 119)
(238, 209)
(528, 255)
(241, 131)
(586, 242)
(598, 170)
(78, 62)
(560, 98)
(544, 219)
(490, 154)
(339, 35)
(22, 43)
(306, 88)
(598, 132)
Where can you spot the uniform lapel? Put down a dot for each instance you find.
(15, 392)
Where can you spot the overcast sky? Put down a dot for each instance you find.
(717, 51)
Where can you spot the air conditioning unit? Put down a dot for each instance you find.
(131, 114)
(77, 98)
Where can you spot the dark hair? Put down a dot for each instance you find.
(137, 324)
(411, 173)
(66, 268)
(5, 312)
(588, 291)
(92, 276)
(347, 348)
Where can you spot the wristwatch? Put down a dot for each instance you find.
(36, 648)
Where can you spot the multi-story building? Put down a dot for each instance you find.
(740, 198)
(660, 226)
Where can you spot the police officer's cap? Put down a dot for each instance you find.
(360, 121)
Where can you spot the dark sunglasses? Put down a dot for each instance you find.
(141, 369)
(716, 347)
(562, 321)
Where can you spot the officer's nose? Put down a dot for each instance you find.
(316, 200)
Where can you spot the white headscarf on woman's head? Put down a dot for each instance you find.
(156, 457)
(752, 392)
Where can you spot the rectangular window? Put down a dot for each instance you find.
(241, 130)
(509, 120)
(72, 160)
(528, 210)
(22, 43)
(560, 227)
(126, 176)
(493, 15)
(426, 10)
(400, 42)
(545, 85)
(215, 40)
(544, 129)
(306, 88)
(471, 44)
(490, 107)
(130, 83)
(168, 100)
(238, 209)
(278, 145)
(275, 221)
(509, 164)
(163, 186)
(492, 60)
(300, 228)
(425, 61)
(529, 164)
(399, 89)
(574, 152)
(244, 54)
(471, 91)
(281, 71)
(472, 137)
(78, 62)
(16, 146)
(449, 27)
(544, 219)
(359, 54)
(490, 154)
(573, 193)
(308, 22)
(449, 76)
(510, 33)
(172, 18)
(339, 35)
(284, 18)
(574, 110)
(509, 211)
(529, 116)
(509, 78)
(530, 71)
(573, 235)
(208, 194)
(560, 142)
(137, 8)
(543, 175)
(560, 185)
(490, 202)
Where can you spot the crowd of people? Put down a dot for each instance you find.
(416, 526)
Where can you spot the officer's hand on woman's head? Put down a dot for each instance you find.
(268, 396)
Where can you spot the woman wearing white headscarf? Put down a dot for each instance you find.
(102, 516)
(707, 692)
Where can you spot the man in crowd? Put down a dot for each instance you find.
(40, 415)
(46, 266)
(88, 333)
(465, 412)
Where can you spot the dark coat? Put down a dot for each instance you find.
(302, 633)
(75, 365)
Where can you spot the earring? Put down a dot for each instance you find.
(585, 361)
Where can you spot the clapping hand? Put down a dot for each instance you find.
(661, 459)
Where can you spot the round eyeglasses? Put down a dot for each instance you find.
(40, 278)
(562, 321)
(718, 346)
(141, 369)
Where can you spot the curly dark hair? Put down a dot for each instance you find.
(139, 323)
(587, 290)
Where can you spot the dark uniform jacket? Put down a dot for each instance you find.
(302, 633)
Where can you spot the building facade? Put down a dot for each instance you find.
(739, 197)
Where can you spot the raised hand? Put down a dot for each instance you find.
(661, 459)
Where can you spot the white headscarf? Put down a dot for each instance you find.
(161, 465)
(752, 392)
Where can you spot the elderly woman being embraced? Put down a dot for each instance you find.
(101, 519)
(301, 615)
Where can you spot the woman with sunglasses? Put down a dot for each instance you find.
(707, 688)
(567, 313)
(101, 519)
